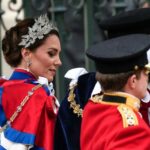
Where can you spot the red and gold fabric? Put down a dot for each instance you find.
(113, 122)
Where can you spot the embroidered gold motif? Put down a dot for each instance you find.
(71, 99)
(131, 101)
(128, 116)
(126, 109)
(96, 98)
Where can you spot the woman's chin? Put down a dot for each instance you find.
(50, 79)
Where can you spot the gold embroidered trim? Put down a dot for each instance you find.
(71, 99)
(131, 101)
(126, 110)
(128, 116)
(97, 98)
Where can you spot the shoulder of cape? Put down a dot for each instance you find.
(128, 115)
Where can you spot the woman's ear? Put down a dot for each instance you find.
(25, 53)
(26, 58)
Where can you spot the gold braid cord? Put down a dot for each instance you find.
(20, 107)
(71, 99)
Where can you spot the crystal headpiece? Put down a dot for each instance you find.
(41, 27)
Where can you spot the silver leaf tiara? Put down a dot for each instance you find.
(41, 27)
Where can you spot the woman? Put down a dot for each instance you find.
(28, 109)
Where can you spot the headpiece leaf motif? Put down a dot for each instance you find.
(41, 27)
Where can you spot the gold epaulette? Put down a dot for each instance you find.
(126, 106)
(128, 116)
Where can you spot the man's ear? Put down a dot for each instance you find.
(132, 81)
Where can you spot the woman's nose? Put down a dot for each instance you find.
(58, 62)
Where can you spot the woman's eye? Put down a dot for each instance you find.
(51, 54)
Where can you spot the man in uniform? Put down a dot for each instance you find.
(112, 120)
(134, 21)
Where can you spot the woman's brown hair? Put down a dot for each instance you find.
(10, 43)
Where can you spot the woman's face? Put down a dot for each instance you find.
(45, 60)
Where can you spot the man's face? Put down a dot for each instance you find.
(141, 85)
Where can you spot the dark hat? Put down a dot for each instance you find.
(121, 54)
(127, 22)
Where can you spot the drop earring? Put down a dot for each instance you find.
(28, 65)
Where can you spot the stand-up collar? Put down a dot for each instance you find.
(20, 74)
(117, 98)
